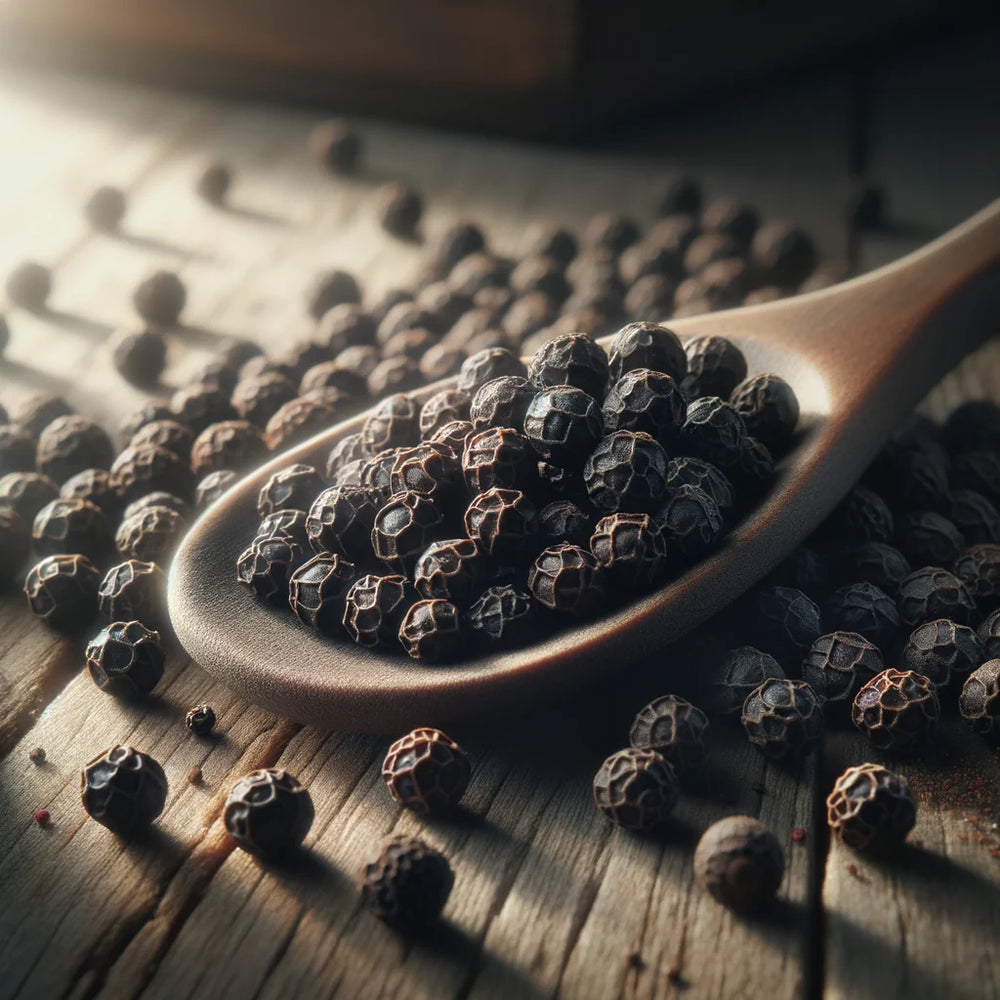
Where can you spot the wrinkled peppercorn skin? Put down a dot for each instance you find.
(631, 550)
(72, 526)
(567, 579)
(266, 566)
(200, 720)
(739, 862)
(374, 608)
(942, 651)
(871, 808)
(125, 659)
(896, 710)
(123, 789)
(783, 718)
(62, 591)
(408, 884)
(979, 702)
(838, 663)
(503, 615)
(637, 789)
(674, 728)
(317, 592)
(268, 813)
(426, 771)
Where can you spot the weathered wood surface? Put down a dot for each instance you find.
(549, 899)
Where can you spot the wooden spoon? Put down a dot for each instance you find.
(859, 355)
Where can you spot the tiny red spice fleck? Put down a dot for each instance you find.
(194, 775)
(799, 835)
(42, 817)
(852, 870)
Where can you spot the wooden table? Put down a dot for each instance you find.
(550, 899)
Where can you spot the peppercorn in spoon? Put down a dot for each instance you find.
(858, 356)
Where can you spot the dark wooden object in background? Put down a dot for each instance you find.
(551, 68)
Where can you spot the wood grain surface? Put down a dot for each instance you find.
(550, 900)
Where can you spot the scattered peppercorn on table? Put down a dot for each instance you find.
(549, 898)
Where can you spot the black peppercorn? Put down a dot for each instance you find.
(292, 524)
(213, 182)
(973, 426)
(691, 524)
(432, 469)
(928, 539)
(979, 471)
(688, 471)
(408, 884)
(715, 367)
(787, 621)
(769, 408)
(626, 471)
(293, 488)
(213, 486)
(125, 659)
(268, 812)
(200, 720)
(403, 529)
(503, 615)
(266, 565)
(549, 239)
(931, 593)
(565, 521)
(610, 230)
(909, 477)
(257, 399)
(232, 444)
(863, 608)
(741, 671)
(979, 702)
(631, 550)
(105, 208)
(303, 355)
(445, 303)
(706, 249)
(457, 242)
(17, 449)
(133, 422)
(198, 406)
(501, 402)
(563, 424)
(150, 535)
(335, 146)
(37, 412)
(29, 286)
(330, 289)
(783, 718)
(647, 258)
(538, 273)
(15, 542)
(498, 457)
(374, 608)
(682, 196)
(62, 591)
(123, 789)
(440, 409)
(978, 567)
(975, 517)
(317, 591)
(783, 254)
(431, 631)
(140, 356)
(714, 431)
(449, 570)
(871, 808)
(486, 365)
(838, 664)
(376, 472)
(738, 861)
(344, 327)
(134, 591)
(440, 361)
(568, 579)
(732, 218)
(503, 522)
(393, 423)
(638, 789)
(350, 448)
(674, 728)
(72, 526)
(167, 434)
(160, 298)
(645, 400)
(649, 298)
(399, 209)
(426, 771)
(296, 421)
(880, 565)
(896, 709)
(341, 520)
(942, 651)
(27, 493)
(807, 570)
(71, 444)
(574, 360)
(394, 375)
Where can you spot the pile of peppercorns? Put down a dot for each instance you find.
(525, 495)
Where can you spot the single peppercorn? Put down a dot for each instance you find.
(317, 591)
(27, 493)
(863, 608)
(17, 449)
(498, 457)
(928, 539)
(151, 535)
(15, 542)
(330, 375)
(213, 182)
(975, 517)
(783, 718)
(979, 702)
(689, 471)
(881, 565)
(979, 471)
(486, 365)
(567, 579)
(393, 423)
(909, 476)
(714, 431)
(408, 884)
(133, 422)
(72, 526)
(266, 565)
(399, 209)
(200, 720)
(691, 524)
(737, 674)
(739, 862)
(871, 808)
(503, 615)
(441, 409)
(376, 473)
(297, 421)
(612, 231)
(649, 401)
(160, 298)
(234, 445)
(838, 663)
(769, 408)
(330, 289)
(683, 195)
(140, 356)
(647, 346)
(449, 570)
(563, 424)
(896, 710)
(783, 254)
(637, 789)
(37, 412)
(94, 485)
(501, 402)
(268, 813)
(123, 789)
(71, 444)
(348, 449)
(199, 406)
(394, 375)
(257, 399)
(29, 285)
(931, 593)
(374, 608)
(213, 486)
(978, 567)
(503, 522)
(125, 659)
(440, 361)
(105, 208)
(942, 651)
(674, 728)
(341, 519)
(715, 367)
(37, 755)
(335, 146)
(630, 549)
(433, 470)
(786, 621)
(404, 528)
(571, 360)
(168, 434)
(134, 591)
(291, 524)
(426, 771)
(291, 488)
(626, 472)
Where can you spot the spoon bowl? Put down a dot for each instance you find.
(859, 356)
